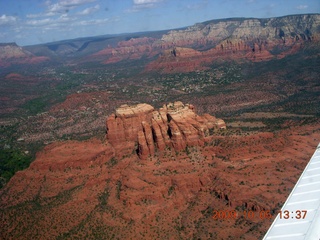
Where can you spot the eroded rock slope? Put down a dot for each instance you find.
(146, 130)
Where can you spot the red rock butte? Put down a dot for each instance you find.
(145, 130)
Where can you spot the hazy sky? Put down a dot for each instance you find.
(38, 21)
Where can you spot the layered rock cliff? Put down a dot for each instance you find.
(145, 130)
(197, 46)
(250, 31)
(11, 53)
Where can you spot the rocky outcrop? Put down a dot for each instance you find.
(12, 50)
(134, 48)
(250, 30)
(197, 46)
(11, 53)
(82, 190)
(145, 130)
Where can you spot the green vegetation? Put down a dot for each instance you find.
(15, 155)
(208, 212)
(171, 190)
(53, 95)
(11, 161)
(36, 105)
(118, 189)
(112, 162)
(103, 198)
(70, 82)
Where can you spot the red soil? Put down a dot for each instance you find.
(80, 189)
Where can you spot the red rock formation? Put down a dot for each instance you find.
(81, 190)
(196, 47)
(124, 126)
(11, 54)
(135, 48)
(14, 76)
(140, 128)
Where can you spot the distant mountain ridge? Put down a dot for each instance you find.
(12, 50)
(253, 39)
(11, 54)
(249, 29)
(88, 45)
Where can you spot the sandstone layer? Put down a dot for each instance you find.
(11, 53)
(189, 49)
(81, 190)
(200, 45)
(145, 130)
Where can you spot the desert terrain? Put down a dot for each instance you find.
(148, 136)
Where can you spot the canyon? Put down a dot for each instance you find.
(147, 135)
